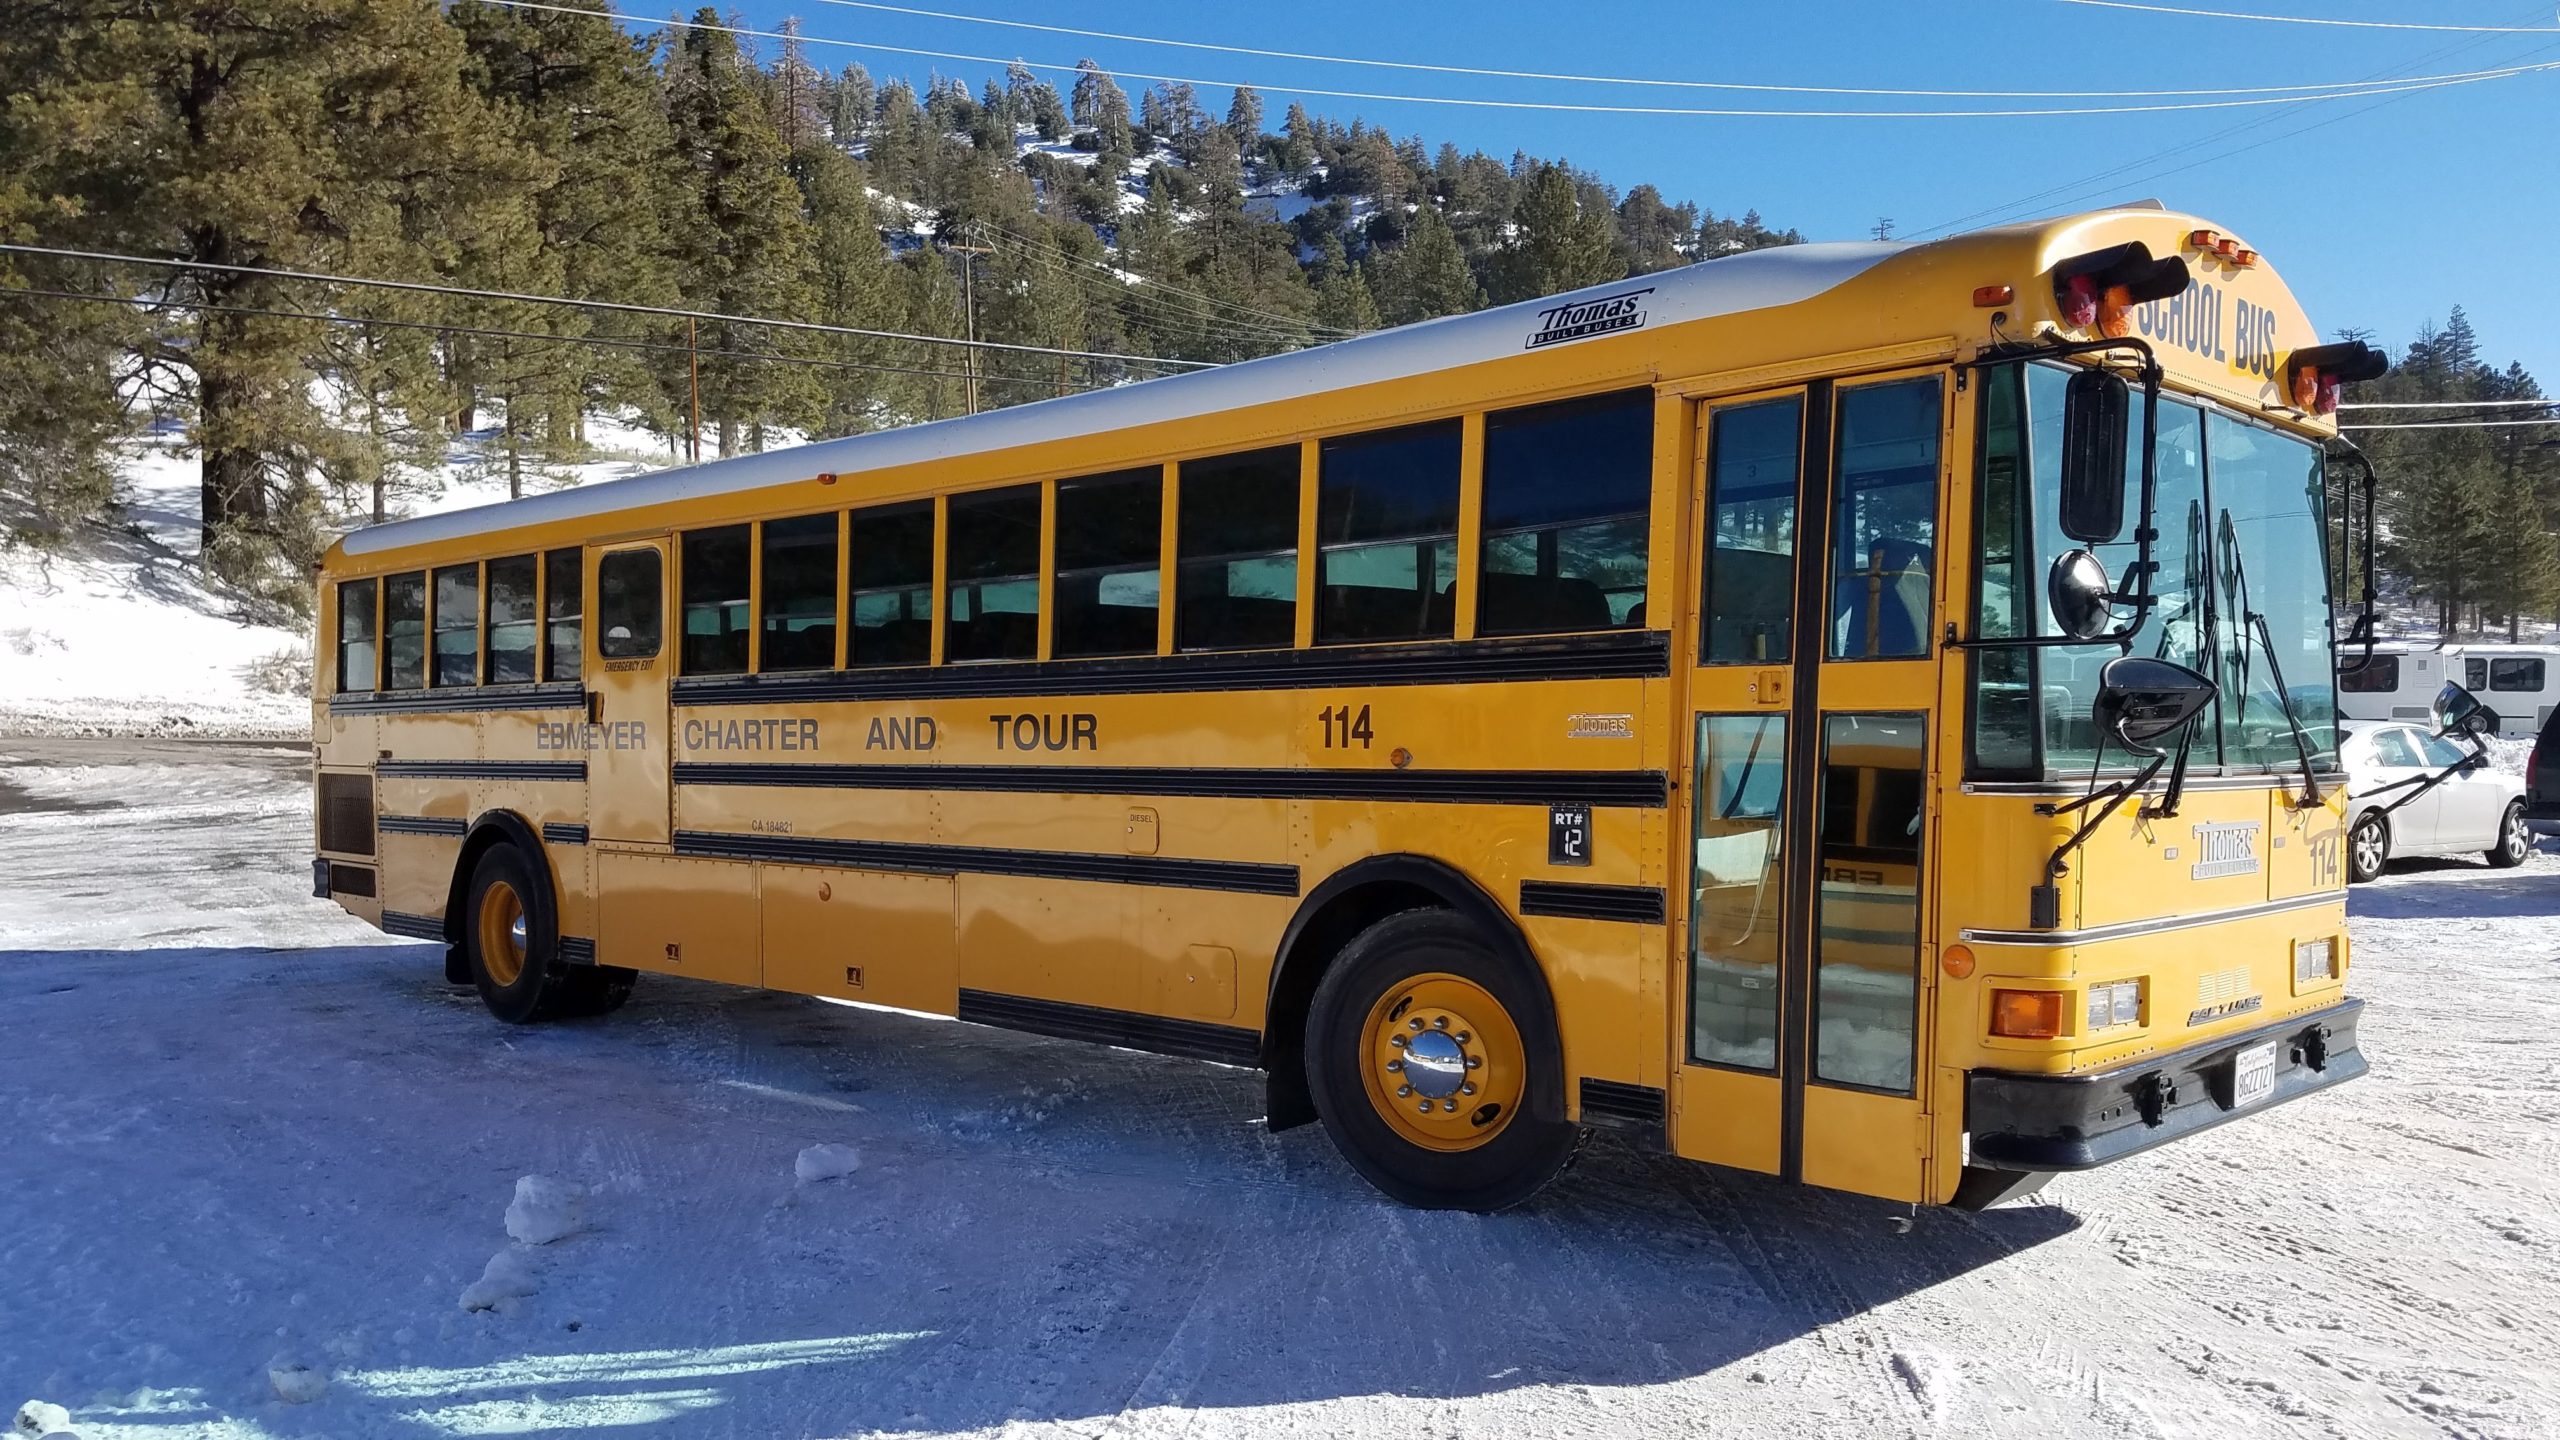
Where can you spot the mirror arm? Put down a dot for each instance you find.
(2369, 610)
(2045, 901)
(2170, 798)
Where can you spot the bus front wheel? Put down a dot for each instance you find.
(513, 942)
(1436, 1067)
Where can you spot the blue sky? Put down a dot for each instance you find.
(2381, 212)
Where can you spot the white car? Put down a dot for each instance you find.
(2478, 810)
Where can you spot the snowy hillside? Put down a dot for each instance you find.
(119, 634)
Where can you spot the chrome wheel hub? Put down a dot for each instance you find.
(1435, 1064)
(515, 934)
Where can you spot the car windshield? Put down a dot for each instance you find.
(2236, 504)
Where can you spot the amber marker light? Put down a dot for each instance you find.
(1957, 962)
(2115, 312)
(2026, 1014)
(1991, 297)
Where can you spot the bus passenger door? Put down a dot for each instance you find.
(1809, 759)
(628, 744)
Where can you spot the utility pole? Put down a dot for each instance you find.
(969, 308)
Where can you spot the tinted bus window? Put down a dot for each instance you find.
(1109, 568)
(1236, 552)
(714, 575)
(630, 591)
(1884, 520)
(994, 576)
(563, 616)
(457, 625)
(513, 628)
(1568, 493)
(892, 567)
(357, 618)
(798, 599)
(404, 631)
(1753, 452)
(1387, 535)
(2378, 676)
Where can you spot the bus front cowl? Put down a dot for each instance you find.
(2051, 1123)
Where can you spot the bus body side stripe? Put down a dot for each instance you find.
(1241, 877)
(1644, 789)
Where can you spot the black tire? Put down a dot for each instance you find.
(540, 987)
(2368, 847)
(1530, 1149)
(2514, 841)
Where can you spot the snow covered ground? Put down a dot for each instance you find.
(254, 1156)
(119, 633)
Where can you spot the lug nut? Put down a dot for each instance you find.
(1451, 1106)
(1394, 1065)
(1417, 1022)
(1396, 1040)
(1426, 1107)
(1467, 1087)
(1403, 1091)
(1474, 1060)
(1462, 1037)
(1440, 1021)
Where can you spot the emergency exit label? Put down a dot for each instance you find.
(1569, 834)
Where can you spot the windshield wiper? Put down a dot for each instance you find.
(2252, 622)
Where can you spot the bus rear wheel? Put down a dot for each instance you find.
(513, 944)
(1436, 1070)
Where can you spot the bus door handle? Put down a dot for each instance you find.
(595, 707)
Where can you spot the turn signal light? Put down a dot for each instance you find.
(2080, 302)
(1987, 297)
(2306, 388)
(1957, 961)
(2115, 312)
(2026, 1014)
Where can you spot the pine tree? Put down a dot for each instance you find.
(851, 107)
(1343, 302)
(330, 135)
(855, 283)
(1561, 241)
(1244, 117)
(1427, 276)
(744, 245)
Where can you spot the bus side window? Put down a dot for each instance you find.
(1236, 552)
(1753, 453)
(628, 595)
(1387, 535)
(563, 616)
(891, 560)
(798, 599)
(1108, 573)
(2377, 676)
(2515, 672)
(1568, 495)
(356, 623)
(714, 573)
(513, 629)
(994, 574)
(404, 631)
(457, 625)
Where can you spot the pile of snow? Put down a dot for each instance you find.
(826, 1162)
(509, 1275)
(44, 1420)
(545, 1210)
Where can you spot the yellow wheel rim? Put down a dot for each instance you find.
(1442, 1062)
(502, 937)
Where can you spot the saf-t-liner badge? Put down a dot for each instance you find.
(1585, 318)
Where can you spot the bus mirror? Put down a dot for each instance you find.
(2076, 590)
(2141, 700)
(2459, 709)
(2097, 408)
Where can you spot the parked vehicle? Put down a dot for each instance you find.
(2542, 779)
(2518, 685)
(2393, 813)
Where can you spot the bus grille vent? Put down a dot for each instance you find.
(346, 814)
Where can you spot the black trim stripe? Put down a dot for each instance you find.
(555, 695)
(419, 825)
(577, 950)
(1241, 877)
(1571, 900)
(1193, 1039)
(1639, 1111)
(1804, 734)
(1640, 788)
(555, 833)
(414, 927)
(481, 769)
(1613, 654)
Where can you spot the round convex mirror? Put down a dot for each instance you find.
(2076, 588)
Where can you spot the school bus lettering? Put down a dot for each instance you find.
(1047, 732)
(1851, 901)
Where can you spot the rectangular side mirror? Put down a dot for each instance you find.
(2097, 409)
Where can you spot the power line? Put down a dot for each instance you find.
(2454, 425)
(607, 341)
(1169, 301)
(1496, 73)
(615, 306)
(1132, 282)
(2310, 20)
(1469, 102)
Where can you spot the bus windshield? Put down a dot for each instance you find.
(2239, 513)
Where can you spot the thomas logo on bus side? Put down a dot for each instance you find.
(1585, 318)
(2211, 325)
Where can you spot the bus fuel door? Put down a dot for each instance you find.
(1142, 830)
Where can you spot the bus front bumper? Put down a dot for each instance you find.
(2020, 1122)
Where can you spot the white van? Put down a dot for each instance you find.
(2520, 684)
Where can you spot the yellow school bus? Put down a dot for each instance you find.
(1862, 713)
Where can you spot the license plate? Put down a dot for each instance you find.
(2253, 1075)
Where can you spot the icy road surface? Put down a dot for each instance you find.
(252, 1156)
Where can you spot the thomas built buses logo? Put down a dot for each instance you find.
(1585, 318)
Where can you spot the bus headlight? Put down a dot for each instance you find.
(2117, 1002)
(2315, 962)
